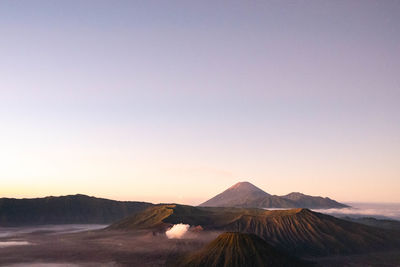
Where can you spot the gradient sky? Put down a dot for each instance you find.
(174, 101)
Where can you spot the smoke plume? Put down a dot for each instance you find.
(177, 231)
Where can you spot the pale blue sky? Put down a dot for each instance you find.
(177, 100)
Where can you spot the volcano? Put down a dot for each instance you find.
(297, 231)
(247, 195)
(238, 250)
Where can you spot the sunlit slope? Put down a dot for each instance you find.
(152, 217)
(238, 250)
(299, 231)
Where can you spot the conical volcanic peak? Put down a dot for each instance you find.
(239, 195)
(239, 249)
(245, 187)
(247, 195)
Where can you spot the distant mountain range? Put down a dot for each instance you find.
(78, 209)
(237, 250)
(380, 223)
(246, 195)
(297, 231)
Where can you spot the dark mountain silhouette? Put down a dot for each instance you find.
(242, 194)
(79, 209)
(313, 202)
(380, 223)
(237, 250)
(246, 195)
(298, 231)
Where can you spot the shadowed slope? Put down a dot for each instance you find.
(78, 209)
(380, 223)
(307, 232)
(238, 250)
(313, 202)
(299, 231)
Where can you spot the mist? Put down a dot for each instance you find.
(376, 210)
(66, 245)
(4, 244)
(62, 228)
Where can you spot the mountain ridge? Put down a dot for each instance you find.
(298, 231)
(69, 209)
(247, 195)
(237, 250)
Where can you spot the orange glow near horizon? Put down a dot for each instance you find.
(105, 100)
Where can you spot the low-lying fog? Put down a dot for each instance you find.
(42, 264)
(4, 244)
(376, 210)
(64, 228)
(14, 236)
(87, 245)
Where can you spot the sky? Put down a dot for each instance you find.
(175, 101)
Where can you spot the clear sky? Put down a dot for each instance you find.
(174, 101)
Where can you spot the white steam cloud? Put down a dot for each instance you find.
(177, 231)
